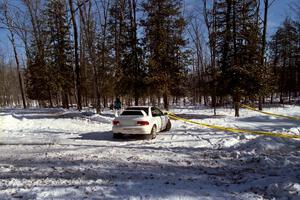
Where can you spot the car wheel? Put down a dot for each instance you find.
(117, 135)
(169, 125)
(153, 132)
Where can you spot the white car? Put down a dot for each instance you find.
(141, 120)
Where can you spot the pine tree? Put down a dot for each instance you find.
(284, 54)
(129, 57)
(58, 51)
(117, 30)
(164, 26)
(104, 51)
(238, 44)
(37, 79)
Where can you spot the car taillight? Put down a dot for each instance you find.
(142, 123)
(115, 122)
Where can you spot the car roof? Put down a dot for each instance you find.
(139, 106)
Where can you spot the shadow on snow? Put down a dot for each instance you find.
(213, 172)
(108, 136)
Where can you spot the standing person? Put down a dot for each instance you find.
(117, 106)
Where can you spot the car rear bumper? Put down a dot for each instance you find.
(132, 130)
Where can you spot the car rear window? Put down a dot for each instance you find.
(132, 112)
(139, 108)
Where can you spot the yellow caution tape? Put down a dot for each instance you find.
(272, 114)
(281, 135)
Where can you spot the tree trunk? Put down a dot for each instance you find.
(133, 40)
(158, 101)
(12, 40)
(212, 47)
(136, 100)
(271, 98)
(266, 2)
(236, 100)
(90, 43)
(281, 98)
(260, 102)
(77, 66)
(205, 100)
(166, 101)
(66, 99)
(50, 98)
(20, 79)
(214, 103)
(57, 100)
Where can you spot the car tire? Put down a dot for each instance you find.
(153, 132)
(169, 125)
(117, 135)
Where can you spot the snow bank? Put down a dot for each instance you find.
(59, 154)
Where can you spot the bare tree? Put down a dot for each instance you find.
(196, 37)
(8, 21)
(133, 41)
(77, 66)
(34, 11)
(263, 48)
(211, 29)
(103, 12)
(88, 29)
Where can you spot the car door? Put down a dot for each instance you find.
(157, 118)
(163, 118)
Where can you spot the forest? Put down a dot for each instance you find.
(85, 53)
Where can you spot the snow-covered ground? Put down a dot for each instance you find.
(58, 154)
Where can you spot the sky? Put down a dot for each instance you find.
(278, 11)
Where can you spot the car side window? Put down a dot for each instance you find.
(159, 112)
(156, 112)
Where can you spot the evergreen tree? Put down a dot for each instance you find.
(164, 26)
(58, 51)
(238, 43)
(129, 57)
(104, 51)
(118, 27)
(37, 78)
(285, 58)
